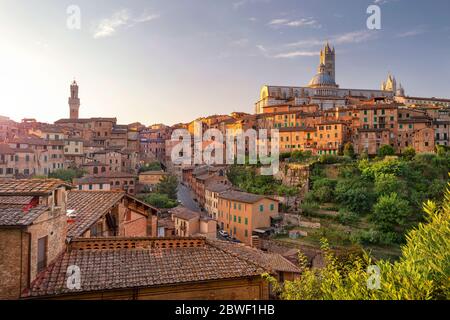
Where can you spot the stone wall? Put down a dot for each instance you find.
(14, 263)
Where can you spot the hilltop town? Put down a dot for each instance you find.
(107, 197)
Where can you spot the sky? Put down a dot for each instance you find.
(171, 61)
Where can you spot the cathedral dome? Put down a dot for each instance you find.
(322, 80)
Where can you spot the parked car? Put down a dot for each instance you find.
(235, 240)
(223, 233)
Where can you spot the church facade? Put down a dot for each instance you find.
(321, 90)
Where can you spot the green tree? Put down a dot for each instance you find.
(323, 189)
(66, 174)
(349, 151)
(387, 183)
(409, 153)
(159, 200)
(168, 185)
(153, 166)
(355, 194)
(386, 150)
(421, 273)
(390, 212)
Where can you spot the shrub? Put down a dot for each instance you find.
(390, 212)
(347, 217)
(328, 159)
(355, 194)
(386, 150)
(160, 201)
(349, 151)
(309, 208)
(409, 153)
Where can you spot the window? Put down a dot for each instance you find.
(246, 233)
(42, 253)
(246, 221)
(261, 208)
(272, 207)
(239, 219)
(234, 218)
(239, 207)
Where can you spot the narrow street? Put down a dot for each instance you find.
(185, 197)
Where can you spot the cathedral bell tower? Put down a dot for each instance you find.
(327, 58)
(74, 101)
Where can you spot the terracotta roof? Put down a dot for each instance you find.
(242, 196)
(30, 187)
(271, 261)
(184, 213)
(217, 187)
(117, 175)
(294, 129)
(89, 206)
(167, 223)
(5, 149)
(90, 180)
(204, 176)
(140, 263)
(17, 216)
(23, 150)
(33, 140)
(15, 200)
(155, 172)
(430, 99)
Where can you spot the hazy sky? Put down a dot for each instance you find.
(174, 60)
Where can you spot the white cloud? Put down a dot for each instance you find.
(120, 19)
(147, 17)
(261, 48)
(304, 22)
(345, 38)
(240, 42)
(381, 2)
(294, 54)
(278, 22)
(411, 33)
(241, 3)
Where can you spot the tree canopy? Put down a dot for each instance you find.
(422, 272)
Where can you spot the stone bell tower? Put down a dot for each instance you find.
(327, 58)
(74, 101)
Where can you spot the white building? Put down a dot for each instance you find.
(321, 90)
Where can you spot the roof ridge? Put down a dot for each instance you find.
(211, 243)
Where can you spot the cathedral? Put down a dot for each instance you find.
(323, 89)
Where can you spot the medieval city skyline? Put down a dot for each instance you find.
(123, 70)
